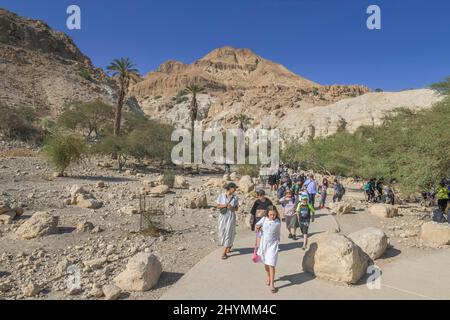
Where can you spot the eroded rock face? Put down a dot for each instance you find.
(141, 274)
(39, 225)
(435, 234)
(335, 257)
(372, 241)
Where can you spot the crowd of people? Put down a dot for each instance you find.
(439, 196)
(377, 190)
(296, 193)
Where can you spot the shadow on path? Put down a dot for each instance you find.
(168, 279)
(295, 279)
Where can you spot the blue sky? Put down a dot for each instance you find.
(326, 41)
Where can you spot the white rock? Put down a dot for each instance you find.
(341, 208)
(246, 184)
(335, 257)
(383, 210)
(141, 274)
(111, 292)
(372, 241)
(31, 290)
(180, 182)
(40, 224)
(435, 234)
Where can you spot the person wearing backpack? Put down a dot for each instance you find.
(339, 191)
(305, 213)
(442, 195)
(312, 189)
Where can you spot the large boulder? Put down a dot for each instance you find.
(383, 210)
(196, 200)
(372, 241)
(335, 257)
(341, 208)
(141, 274)
(39, 225)
(180, 182)
(246, 184)
(435, 234)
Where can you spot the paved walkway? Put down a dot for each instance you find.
(238, 278)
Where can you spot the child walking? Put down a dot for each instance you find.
(269, 228)
(305, 211)
(289, 202)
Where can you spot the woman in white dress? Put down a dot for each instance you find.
(269, 228)
(228, 204)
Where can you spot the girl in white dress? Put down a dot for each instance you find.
(269, 228)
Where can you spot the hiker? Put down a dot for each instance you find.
(442, 195)
(339, 191)
(296, 188)
(305, 214)
(379, 188)
(228, 204)
(366, 188)
(372, 189)
(389, 194)
(311, 188)
(323, 192)
(289, 203)
(269, 228)
(281, 192)
(260, 208)
(273, 182)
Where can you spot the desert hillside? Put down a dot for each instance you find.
(238, 81)
(43, 68)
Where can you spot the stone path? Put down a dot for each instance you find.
(238, 278)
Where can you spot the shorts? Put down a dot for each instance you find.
(304, 227)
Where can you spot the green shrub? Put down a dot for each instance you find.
(63, 150)
(412, 147)
(85, 74)
(169, 178)
(92, 118)
(19, 123)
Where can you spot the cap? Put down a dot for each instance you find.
(231, 185)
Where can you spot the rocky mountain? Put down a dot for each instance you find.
(238, 81)
(43, 68)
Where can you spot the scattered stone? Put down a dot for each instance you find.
(39, 225)
(96, 291)
(372, 241)
(111, 292)
(383, 210)
(100, 184)
(341, 208)
(180, 183)
(196, 200)
(87, 202)
(31, 290)
(160, 190)
(435, 234)
(141, 274)
(95, 263)
(246, 184)
(84, 226)
(335, 257)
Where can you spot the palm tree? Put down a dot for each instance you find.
(243, 121)
(194, 89)
(124, 69)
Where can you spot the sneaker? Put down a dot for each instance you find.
(294, 238)
(290, 236)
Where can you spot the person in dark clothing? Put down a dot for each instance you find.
(379, 187)
(260, 208)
